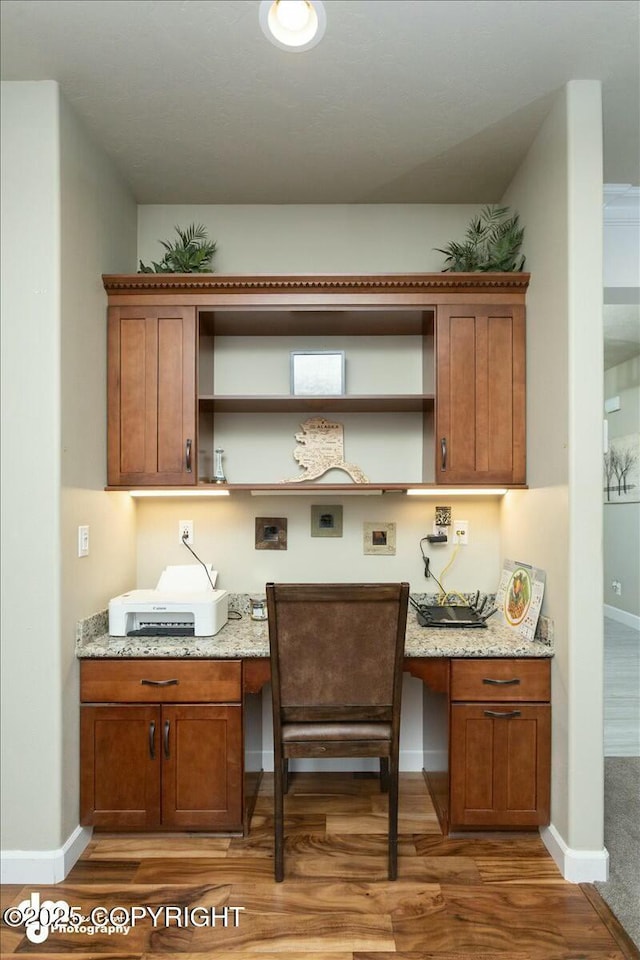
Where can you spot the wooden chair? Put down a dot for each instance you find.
(336, 674)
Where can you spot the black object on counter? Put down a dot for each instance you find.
(450, 615)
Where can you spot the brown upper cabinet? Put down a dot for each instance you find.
(435, 377)
(480, 394)
(151, 395)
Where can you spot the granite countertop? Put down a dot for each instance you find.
(242, 638)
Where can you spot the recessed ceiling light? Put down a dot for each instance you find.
(293, 25)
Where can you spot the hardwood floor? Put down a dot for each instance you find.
(459, 898)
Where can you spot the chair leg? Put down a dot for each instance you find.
(278, 817)
(384, 774)
(393, 818)
(285, 775)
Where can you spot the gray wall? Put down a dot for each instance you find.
(557, 523)
(622, 520)
(66, 217)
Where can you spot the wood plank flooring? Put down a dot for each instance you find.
(621, 690)
(460, 898)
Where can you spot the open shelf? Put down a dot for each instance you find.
(313, 321)
(398, 403)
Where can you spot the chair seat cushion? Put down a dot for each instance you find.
(335, 731)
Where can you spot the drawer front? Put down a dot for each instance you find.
(160, 681)
(501, 679)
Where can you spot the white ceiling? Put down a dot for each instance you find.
(403, 101)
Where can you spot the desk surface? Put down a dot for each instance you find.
(247, 639)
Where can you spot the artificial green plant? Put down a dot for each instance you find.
(192, 253)
(492, 243)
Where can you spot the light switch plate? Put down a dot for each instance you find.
(83, 541)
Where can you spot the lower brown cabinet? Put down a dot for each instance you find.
(500, 743)
(161, 763)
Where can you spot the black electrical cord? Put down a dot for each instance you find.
(427, 571)
(184, 540)
(232, 614)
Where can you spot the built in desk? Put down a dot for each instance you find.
(160, 707)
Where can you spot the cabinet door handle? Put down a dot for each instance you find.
(167, 725)
(443, 452)
(187, 456)
(501, 683)
(160, 683)
(502, 715)
(152, 740)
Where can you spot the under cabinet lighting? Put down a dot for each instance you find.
(457, 492)
(179, 493)
(360, 492)
(317, 492)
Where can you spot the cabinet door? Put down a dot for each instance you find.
(152, 396)
(120, 767)
(480, 394)
(202, 767)
(500, 764)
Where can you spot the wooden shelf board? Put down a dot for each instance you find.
(319, 488)
(393, 403)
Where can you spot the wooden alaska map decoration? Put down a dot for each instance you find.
(321, 448)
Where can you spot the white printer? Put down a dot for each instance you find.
(183, 604)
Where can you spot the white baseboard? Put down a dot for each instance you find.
(621, 616)
(576, 866)
(43, 867)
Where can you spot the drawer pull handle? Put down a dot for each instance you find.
(187, 456)
(167, 725)
(160, 683)
(152, 740)
(501, 683)
(443, 453)
(502, 715)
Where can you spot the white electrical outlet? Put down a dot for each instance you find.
(185, 526)
(83, 541)
(460, 532)
(616, 586)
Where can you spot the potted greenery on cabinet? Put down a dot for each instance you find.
(192, 252)
(492, 243)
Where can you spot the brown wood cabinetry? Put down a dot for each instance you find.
(471, 407)
(480, 394)
(499, 743)
(151, 395)
(156, 752)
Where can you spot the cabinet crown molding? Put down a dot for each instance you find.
(375, 283)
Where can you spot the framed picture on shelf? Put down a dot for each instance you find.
(317, 373)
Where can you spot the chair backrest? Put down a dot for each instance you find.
(336, 649)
